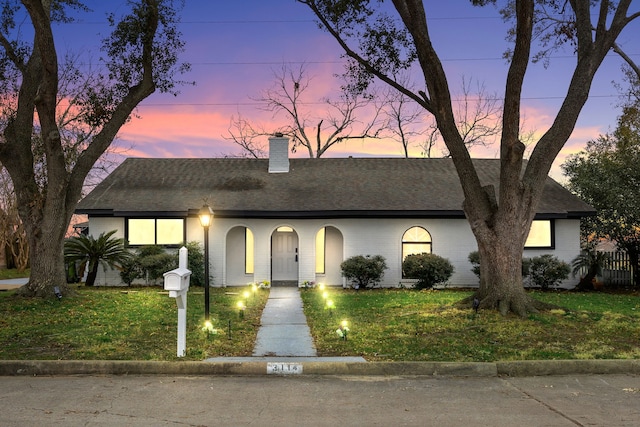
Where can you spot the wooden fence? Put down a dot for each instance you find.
(617, 270)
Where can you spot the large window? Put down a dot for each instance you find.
(541, 235)
(415, 240)
(155, 231)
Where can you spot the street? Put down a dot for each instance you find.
(157, 400)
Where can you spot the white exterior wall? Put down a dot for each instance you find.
(450, 238)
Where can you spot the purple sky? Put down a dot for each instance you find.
(235, 46)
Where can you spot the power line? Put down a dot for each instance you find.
(255, 104)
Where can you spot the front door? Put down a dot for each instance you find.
(284, 255)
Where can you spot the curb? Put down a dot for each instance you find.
(195, 368)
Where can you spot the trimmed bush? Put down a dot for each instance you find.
(429, 269)
(364, 271)
(548, 271)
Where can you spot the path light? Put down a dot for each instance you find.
(325, 295)
(343, 330)
(330, 306)
(208, 327)
(241, 307)
(206, 218)
(246, 295)
(321, 286)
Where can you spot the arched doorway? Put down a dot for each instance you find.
(284, 257)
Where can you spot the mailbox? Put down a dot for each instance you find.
(177, 280)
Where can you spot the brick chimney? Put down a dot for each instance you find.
(278, 154)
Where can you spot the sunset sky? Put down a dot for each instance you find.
(236, 46)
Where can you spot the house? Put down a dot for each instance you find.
(295, 220)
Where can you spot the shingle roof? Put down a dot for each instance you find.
(329, 187)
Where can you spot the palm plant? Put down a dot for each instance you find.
(104, 250)
(591, 261)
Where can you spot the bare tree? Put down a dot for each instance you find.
(404, 119)
(379, 45)
(310, 130)
(140, 58)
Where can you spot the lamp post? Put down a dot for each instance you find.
(206, 217)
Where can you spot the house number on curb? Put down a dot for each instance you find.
(284, 368)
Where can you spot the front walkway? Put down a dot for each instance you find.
(283, 326)
(284, 335)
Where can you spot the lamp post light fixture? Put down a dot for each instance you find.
(206, 218)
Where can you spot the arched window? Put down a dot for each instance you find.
(416, 240)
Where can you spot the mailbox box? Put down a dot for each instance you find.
(177, 280)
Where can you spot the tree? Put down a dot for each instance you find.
(378, 45)
(92, 253)
(141, 57)
(607, 176)
(314, 132)
(12, 234)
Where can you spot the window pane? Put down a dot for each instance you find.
(415, 248)
(170, 231)
(248, 257)
(539, 235)
(416, 234)
(320, 245)
(141, 231)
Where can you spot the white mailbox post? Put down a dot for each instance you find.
(177, 283)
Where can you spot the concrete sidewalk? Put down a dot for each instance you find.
(9, 284)
(284, 335)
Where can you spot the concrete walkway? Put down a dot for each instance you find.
(284, 335)
(8, 284)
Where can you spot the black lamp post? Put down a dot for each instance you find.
(206, 217)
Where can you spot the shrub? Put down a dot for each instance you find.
(195, 263)
(131, 271)
(152, 261)
(364, 271)
(548, 271)
(429, 269)
(474, 259)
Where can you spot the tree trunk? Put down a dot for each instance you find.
(47, 260)
(46, 221)
(501, 285)
(500, 239)
(92, 274)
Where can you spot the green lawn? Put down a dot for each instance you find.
(126, 324)
(384, 325)
(388, 325)
(12, 273)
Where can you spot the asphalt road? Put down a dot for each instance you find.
(157, 400)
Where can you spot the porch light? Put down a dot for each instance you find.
(206, 218)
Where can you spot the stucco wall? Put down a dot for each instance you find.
(451, 238)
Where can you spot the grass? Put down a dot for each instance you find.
(385, 325)
(391, 325)
(126, 324)
(12, 273)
